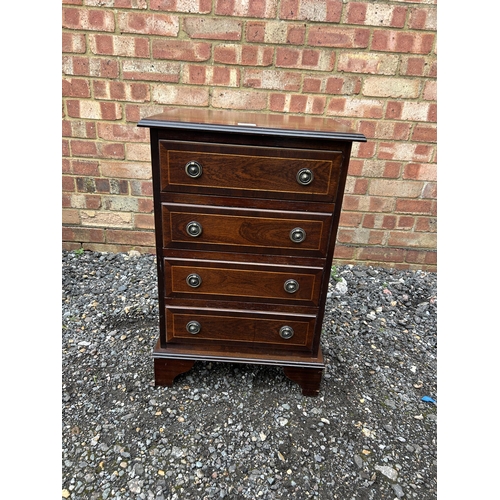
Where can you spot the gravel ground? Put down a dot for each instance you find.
(242, 431)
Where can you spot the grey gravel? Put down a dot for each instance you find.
(232, 431)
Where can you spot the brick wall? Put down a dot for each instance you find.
(372, 65)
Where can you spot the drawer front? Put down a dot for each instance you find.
(250, 170)
(233, 281)
(216, 228)
(195, 326)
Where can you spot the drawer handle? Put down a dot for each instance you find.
(291, 286)
(194, 229)
(297, 235)
(286, 332)
(193, 280)
(193, 327)
(305, 176)
(193, 169)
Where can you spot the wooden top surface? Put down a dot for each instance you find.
(252, 123)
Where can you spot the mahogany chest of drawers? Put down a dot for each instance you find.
(246, 214)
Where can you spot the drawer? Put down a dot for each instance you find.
(234, 326)
(250, 170)
(236, 281)
(215, 228)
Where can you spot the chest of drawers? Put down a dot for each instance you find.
(246, 214)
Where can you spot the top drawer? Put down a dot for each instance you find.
(249, 170)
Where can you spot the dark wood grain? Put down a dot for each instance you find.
(233, 280)
(243, 229)
(231, 326)
(259, 172)
(202, 119)
(247, 200)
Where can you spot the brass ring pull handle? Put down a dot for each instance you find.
(297, 235)
(193, 327)
(291, 286)
(194, 229)
(193, 280)
(193, 169)
(286, 332)
(305, 176)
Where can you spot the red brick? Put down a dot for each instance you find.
(239, 99)
(312, 10)
(247, 55)
(297, 103)
(83, 129)
(211, 75)
(256, 8)
(430, 191)
(141, 238)
(83, 148)
(361, 108)
(275, 32)
(271, 79)
(332, 36)
(198, 7)
(88, 19)
(148, 24)
(414, 206)
(127, 4)
(422, 19)
(424, 133)
(351, 202)
(392, 170)
(381, 204)
(94, 110)
(213, 29)
(181, 50)
(426, 224)
(368, 63)
(377, 14)
(84, 167)
(68, 183)
(405, 222)
(394, 110)
(183, 96)
(96, 67)
(366, 149)
(74, 42)
(114, 132)
(399, 41)
(144, 221)
(356, 13)
(141, 188)
(360, 186)
(420, 171)
(75, 87)
(350, 219)
(382, 254)
(343, 252)
(120, 91)
(112, 150)
(408, 239)
(82, 235)
(145, 205)
(125, 46)
(156, 71)
(355, 167)
(126, 170)
(319, 60)
(348, 85)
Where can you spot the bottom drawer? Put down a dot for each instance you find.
(239, 327)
